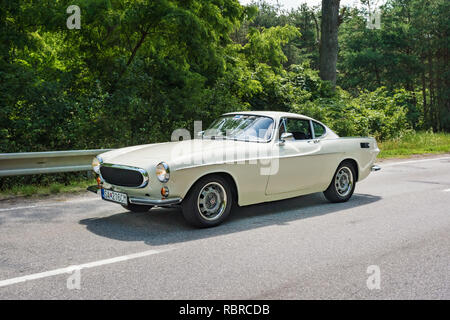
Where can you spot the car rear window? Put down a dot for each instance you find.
(319, 130)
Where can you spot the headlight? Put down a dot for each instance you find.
(163, 172)
(96, 162)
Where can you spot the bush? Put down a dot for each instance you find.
(55, 188)
(378, 114)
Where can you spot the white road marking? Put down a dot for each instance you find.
(18, 208)
(411, 161)
(69, 269)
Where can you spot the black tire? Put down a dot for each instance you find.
(334, 192)
(200, 197)
(137, 207)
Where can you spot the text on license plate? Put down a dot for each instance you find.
(114, 196)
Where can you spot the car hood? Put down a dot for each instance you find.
(177, 154)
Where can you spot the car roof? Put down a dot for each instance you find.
(272, 114)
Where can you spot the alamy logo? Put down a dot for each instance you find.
(374, 280)
(374, 20)
(74, 280)
(234, 152)
(74, 20)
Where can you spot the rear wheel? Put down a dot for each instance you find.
(209, 202)
(137, 207)
(343, 184)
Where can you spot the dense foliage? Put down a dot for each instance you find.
(138, 69)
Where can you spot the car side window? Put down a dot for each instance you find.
(300, 128)
(319, 130)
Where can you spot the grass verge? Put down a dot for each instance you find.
(41, 190)
(415, 143)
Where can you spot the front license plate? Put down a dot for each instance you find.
(114, 196)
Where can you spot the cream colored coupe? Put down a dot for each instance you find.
(243, 158)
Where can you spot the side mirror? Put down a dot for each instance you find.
(286, 136)
(200, 134)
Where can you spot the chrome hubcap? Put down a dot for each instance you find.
(212, 201)
(344, 181)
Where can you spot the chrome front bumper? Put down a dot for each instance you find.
(154, 202)
(144, 200)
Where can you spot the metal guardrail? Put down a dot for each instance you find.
(24, 163)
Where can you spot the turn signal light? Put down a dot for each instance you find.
(165, 192)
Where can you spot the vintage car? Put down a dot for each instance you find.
(243, 158)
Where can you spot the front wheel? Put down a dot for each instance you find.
(209, 202)
(343, 184)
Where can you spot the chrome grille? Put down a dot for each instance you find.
(124, 176)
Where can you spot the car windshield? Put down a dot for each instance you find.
(241, 127)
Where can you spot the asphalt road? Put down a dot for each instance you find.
(302, 248)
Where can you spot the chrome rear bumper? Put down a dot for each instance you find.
(375, 168)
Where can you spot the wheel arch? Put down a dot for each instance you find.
(355, 166)
(227, 176)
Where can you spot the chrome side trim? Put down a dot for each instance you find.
(375, 168)
(155, 202)
(143, 172)
(311, 127)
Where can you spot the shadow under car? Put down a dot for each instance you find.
(162, 226)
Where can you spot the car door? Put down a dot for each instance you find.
(300, 164)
